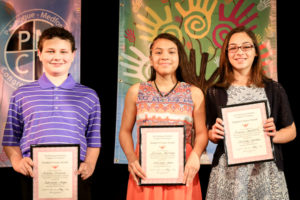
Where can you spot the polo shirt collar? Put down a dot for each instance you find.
(45, 83)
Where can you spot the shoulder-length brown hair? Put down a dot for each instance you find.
(183, 61)
(225, 69)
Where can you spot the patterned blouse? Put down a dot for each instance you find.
(174, 109)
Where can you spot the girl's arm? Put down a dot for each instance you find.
(201, 137)
(125, 135)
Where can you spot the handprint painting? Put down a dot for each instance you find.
(201, 26)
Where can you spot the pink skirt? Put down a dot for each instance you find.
(180, 192)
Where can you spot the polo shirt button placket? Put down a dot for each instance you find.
(55, 97)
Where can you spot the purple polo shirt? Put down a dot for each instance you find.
(41, 113)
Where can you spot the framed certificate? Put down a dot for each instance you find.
(245, 139)
(162, 154)
(54, 170)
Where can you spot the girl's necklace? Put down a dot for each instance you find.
(168, 92)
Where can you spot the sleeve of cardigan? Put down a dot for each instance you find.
(211, 110)
(282, 108)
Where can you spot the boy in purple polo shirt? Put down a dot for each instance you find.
(54, 110)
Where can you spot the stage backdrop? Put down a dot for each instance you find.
(201, 25)
(21, 24)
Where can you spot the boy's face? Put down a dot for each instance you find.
(56, 57)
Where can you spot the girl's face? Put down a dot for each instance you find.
(241, 52)
(164, 58)
(56, 56)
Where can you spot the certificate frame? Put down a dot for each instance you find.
(54, 171)
(254, 145)
(163, 146)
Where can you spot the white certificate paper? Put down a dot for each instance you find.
(245, 139)
(54, 172)
(162, 154)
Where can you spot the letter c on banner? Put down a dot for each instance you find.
(17, 64)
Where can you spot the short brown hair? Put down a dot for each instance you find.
(56, 32)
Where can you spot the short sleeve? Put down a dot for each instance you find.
(94, 125)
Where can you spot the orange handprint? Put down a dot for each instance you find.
(197, 18)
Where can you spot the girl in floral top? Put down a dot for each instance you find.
(165, 100)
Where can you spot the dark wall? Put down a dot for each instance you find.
(288, 76)
(99, 71)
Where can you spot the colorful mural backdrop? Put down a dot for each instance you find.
(201, 25)
(21, 24)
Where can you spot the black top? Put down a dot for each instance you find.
(280, 111)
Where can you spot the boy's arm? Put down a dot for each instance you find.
(11, 139)
(20, 164)
(86, 168)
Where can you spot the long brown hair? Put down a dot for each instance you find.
(225, 69)
(183, 61)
